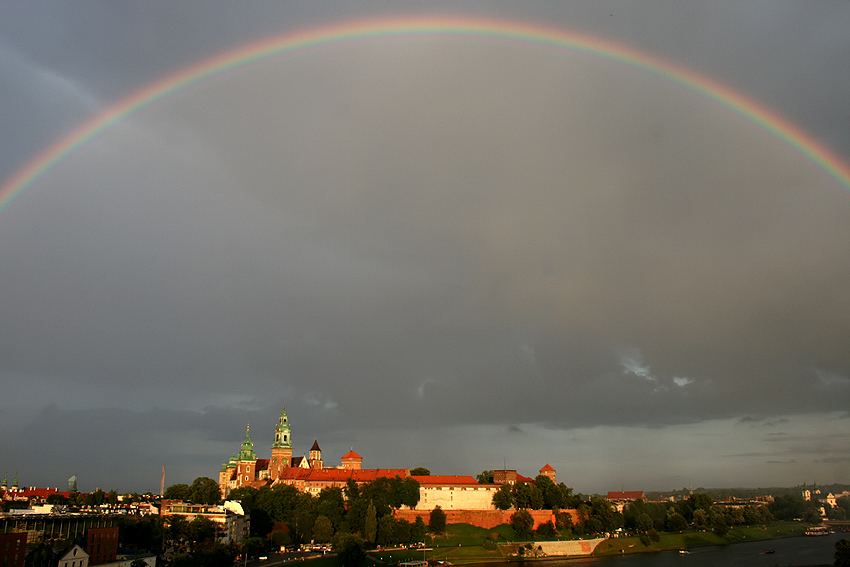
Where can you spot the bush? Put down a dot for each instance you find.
(522, 523)
(546, 529)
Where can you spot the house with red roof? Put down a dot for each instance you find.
(620, 499)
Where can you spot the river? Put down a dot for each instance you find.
(799, 550)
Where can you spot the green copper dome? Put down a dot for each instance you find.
(247, 452)
(282, 433)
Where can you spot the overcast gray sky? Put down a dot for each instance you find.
(461, 253)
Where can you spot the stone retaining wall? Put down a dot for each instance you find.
(482, 518)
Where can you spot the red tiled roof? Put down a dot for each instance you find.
(315, 446)
(547, 468)
(628, 495)
(445, 480)
(34, 492)
(352, 455)
(520, 478)
(340, 475)
(262, 464)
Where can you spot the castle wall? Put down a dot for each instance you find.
(482, 518)
(479, 497)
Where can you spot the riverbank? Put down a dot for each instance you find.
(467, 545)
(691, 539)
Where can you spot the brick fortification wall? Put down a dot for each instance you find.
(482, 518)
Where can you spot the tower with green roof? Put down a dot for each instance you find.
(282, 446)
(246, 461)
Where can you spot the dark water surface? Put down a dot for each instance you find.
(799, 550)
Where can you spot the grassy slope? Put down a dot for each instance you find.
(695, 539)
(471, 539)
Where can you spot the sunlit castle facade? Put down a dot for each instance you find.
(306, 473)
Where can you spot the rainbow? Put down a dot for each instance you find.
(433, 27)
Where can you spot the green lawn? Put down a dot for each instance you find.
(696, 539)
(463, 543)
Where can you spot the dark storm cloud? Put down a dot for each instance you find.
(424, 247)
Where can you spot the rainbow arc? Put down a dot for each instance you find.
(433, 27)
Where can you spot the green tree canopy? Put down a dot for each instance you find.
(204, 490)
(485, 477)
(522, 524)
(503, 499)
(420, 471)
(418, 530)
(349, 548)
(201, 528)
(370, 529)
(178, 492)
(437, 521)
(323, 529)
(527, 495)
(403, 492)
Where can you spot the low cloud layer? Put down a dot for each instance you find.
(459, 254)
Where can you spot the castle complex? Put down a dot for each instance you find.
(309, 474)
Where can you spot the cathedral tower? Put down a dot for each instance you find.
(282, 446)
(247, 461)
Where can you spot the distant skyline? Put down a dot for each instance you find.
(606, 236)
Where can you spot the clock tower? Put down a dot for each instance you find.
(282, 446)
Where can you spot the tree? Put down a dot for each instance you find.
(603, 517)
(788, 507)
(677, 522)
(95, 498)
(57, 499)
(719, 524)
(323, 529)
(370, 531)
(279, 538)
(812, 516)
(437, 521)
(205, 491)
(402, 531)
(522, 523)
(386, 530)
(246, 495)
(527, 495)
(177, 492)
(503, 499)
(643, 523)
(403, 492)
(201, 528)
(700, 519)
(349, 548)
(331, 504)
(546, 529)
(486, 477)
(563, 520)
(177, 529)
(700, 501)
(420, 471)
(418, 530)
(254, 547)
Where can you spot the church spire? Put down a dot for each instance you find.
(247, 452)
